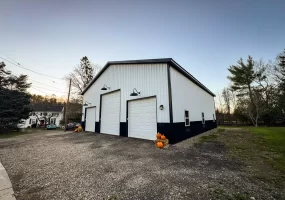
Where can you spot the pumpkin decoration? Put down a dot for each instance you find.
(79, 128)
(163, 137)
(158, 135)
(159, 144)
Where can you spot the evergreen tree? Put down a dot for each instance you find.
(281, 86)
(4, 75)
(82, 75)
(14, 101)
(19, 82)
(10, 81)
(242, 77)
(14, 106)
(88, 71)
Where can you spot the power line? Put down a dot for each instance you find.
(38, 86)
(29, 79)
(50, 89)
(34, 87)
(10, 58)
(39, 90)
(42, 83)
(18, 65)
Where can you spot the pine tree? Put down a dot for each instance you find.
(242, 77)
(14, 106)
(10, 81)
(82, 75)
(4, 75)
(281, 86)
(88, 71)
(14, 101)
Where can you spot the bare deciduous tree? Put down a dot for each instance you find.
(227, 99)
(82, 74)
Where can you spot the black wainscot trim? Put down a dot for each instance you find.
(83, 125)
(97, 127)
(123, 129)
(177, 132)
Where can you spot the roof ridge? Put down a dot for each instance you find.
(150, 61)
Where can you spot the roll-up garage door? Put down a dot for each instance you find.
(142, 119)
(110, 113)
(90, 119)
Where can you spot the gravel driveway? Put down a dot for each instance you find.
(58, 165)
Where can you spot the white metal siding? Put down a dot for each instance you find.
(186, 95)
(110, 113)
(90, 119)
(149, 79)
(142, 119)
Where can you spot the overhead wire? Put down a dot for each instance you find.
(49, 89)
(36, 87)
(47, 93)
(42, 83)
(19, 65)
(9, 58)
(39, 90)
(37, 82)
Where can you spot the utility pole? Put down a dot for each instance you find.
(66, 107)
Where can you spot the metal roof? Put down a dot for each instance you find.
(170, 61)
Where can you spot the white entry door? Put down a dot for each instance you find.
(142, 119)
(110, 113)
(90, 119)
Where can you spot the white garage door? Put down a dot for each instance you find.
(90, 119)
(110, 113)
(142, 119)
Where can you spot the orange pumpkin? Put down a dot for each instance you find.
(159, 144)
(158, 135)
(163, 137)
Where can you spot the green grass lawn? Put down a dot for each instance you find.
(273, 137)
(270, 139)
(261, 149)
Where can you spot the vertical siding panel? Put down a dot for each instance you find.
(149, 79)
(187, 95)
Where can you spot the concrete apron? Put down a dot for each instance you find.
(6, 190)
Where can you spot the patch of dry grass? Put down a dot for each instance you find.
(211, 136)
(260, 149)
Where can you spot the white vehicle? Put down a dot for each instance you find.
(22, 124)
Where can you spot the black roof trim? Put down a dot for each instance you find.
(176, 66)
(170, 61)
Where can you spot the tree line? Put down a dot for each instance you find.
(256, 94)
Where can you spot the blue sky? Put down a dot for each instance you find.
(205, 37)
